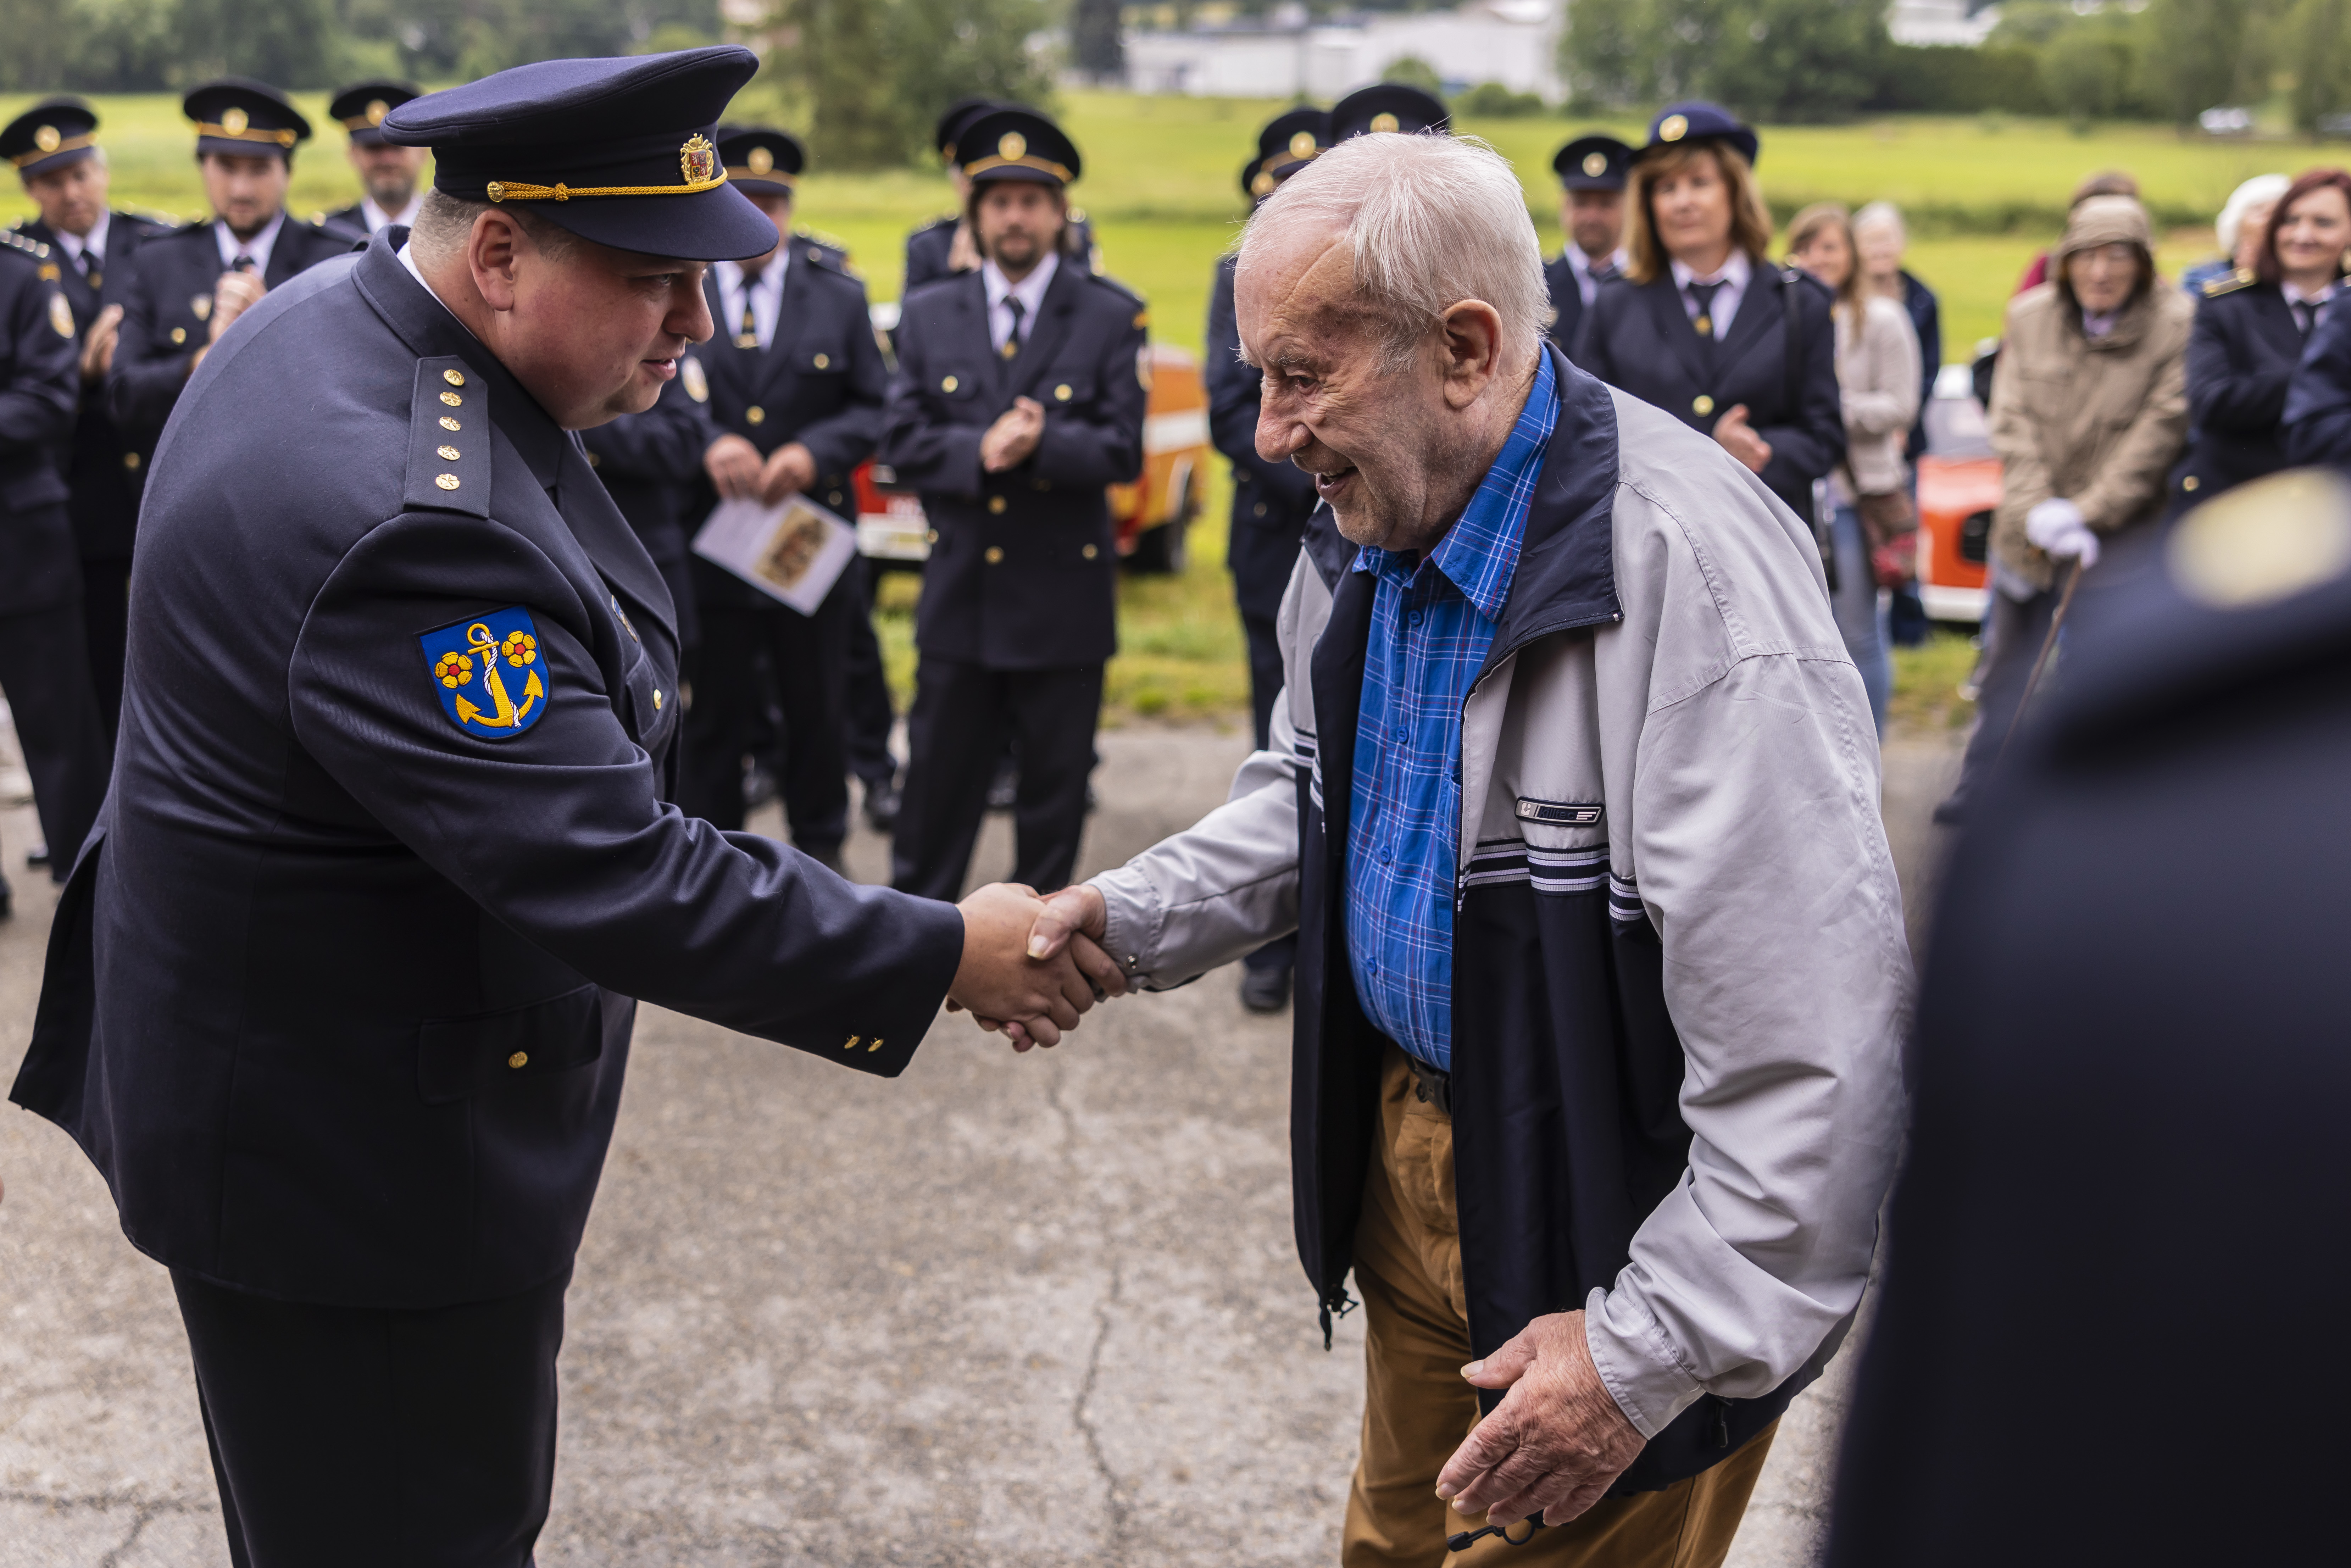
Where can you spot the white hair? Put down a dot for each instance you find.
(1885, 214)
(1432, 220)
(2254, 192)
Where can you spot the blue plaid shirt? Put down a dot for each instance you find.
(1432, 624)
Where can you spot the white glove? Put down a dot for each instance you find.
(2056, 525)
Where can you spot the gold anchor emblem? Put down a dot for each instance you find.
(521, 649)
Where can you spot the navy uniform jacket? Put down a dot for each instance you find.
(1637, 337)
(2242, 352)
(338, 996)
(2317, 416)
(1023, 575)
(167, 310)
(649, 463)
(2127, 1087)
(40, 364)
(1566, 303)
(1272, 501)
(102, 470)
(927, 249)
(821, 380)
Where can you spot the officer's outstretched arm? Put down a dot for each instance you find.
(532, 793)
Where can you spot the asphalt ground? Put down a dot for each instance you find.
(1005, 1310)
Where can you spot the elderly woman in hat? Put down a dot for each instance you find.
(1701, 325)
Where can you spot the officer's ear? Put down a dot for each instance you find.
(492, 247)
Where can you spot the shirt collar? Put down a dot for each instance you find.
(2296, 296)
(95, 240)
(771, 278)
(375, 217)
(1582, 263)
(258, 246)
(1735, 272)
(1030, 290)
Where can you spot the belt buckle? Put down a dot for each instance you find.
(1431, 1085)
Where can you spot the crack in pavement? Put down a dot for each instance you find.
(70, 1503)
(138, 1527)
(1080, 1416)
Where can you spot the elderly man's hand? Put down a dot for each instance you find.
(1013, 436)
(1556, 1441)
(734, 465)
(1738, 438)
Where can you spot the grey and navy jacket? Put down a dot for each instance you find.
(1680, 973)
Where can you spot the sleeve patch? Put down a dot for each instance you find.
(488, 673)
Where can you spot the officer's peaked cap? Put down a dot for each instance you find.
(1387, 106)
(761, 159)
(361, 107)
(1699, 120)
(1594, 162)
(1289, 143)
(1012, 141)
(51, 134)
(243, 118)
(622, 152)
(953, 119)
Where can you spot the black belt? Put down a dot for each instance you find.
(1431, 1085)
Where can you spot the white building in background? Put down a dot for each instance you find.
(1962, 22)
(1513, 42)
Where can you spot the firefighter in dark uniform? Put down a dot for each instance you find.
(54, 145)
(1018, 397)
(943, 246)
(391, 176)
(1592, 172)
(44, 664)
(2125, 1177)
(795, 386)
(339, 996)
(1272, 501)
(190, 286)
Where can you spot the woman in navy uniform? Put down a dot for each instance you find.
(1018, 397)
(341, 994)
(54, 145)
(2250, 331)
(1592, 172)
(1701, 325)
(796, 383)
(190, 284)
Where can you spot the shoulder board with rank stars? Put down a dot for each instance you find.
(24, 244)
(823, 241)
(2229, 284)
(448, 440)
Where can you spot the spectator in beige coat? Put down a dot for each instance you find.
(1878, 382)
(2089, 410)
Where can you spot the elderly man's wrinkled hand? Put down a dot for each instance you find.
(1556, 1441)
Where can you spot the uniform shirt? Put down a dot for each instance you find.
(258, 247)
(1029, 291)
(1432, 624)
(1733, 277)
(378, 218)
(92, 243)
(767, 296)
(1580, 265)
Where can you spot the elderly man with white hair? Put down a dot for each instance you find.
(1571, 797)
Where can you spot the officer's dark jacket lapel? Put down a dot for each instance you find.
(1760, 309)
(969, 335)
(1054, 317)
(775, 366)
(2274, 320)
(1664, 303)
(288, 256)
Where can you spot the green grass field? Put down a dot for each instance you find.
(1984, 195)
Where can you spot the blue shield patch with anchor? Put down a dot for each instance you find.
(489, 672)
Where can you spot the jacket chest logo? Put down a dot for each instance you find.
(478, 667)
(1561, 813)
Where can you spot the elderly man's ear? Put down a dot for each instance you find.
(1473, 352)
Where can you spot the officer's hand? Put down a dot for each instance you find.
(1738, 438)
(1013, 436)
(997, 979)
(734, 465)
(789, 468)
(98, 346)
(1100, 970)
(1556, 1441)
(233, 295)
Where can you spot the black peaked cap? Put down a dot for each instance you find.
(1013, 141)
(243, 118)
(1594, 162)
(53, 133)
(1387, 106)
(362, 106)
(761, 159)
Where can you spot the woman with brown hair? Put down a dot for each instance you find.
(2250, 328)
(1877, 378)
(1701, 325)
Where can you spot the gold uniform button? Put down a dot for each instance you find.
(454, 378)
(179, 334)
(930, 536)
(656, 699)
(450, 424)
(1090, 551)
(948, 384)
(131, 460)
(2188, 482)
(821, 360)
(755, 415)
(834, 497)
(1260, 509)
(995, 556)
(453, 400)
(1702, 405)
(448, 453)
(1061, 393)
(446, 481)
(520, 1058)
(996, 504)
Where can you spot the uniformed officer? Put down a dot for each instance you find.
(944, 246)
(44, 663)
(391, 176)
(54, 145)
(1018, 397)
(339, 996)
(2124, 1188)
(1272, 501)
(796, 383)
(1591, 171)
(190, 284)
(1387, 106)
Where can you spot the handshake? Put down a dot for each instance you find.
(1032, 965)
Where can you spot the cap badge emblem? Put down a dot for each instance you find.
(46, 139)
(1595, 163)
(377, 108)
(1386, 122)
(1303, 144)
(233, 120)
(760, 160)
(1263, 184)
(698, 159)
(1673, 128)
(1012, 147)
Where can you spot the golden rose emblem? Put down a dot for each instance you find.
(521, 648)
(452, 669)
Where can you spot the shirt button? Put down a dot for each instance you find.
(1415, 616)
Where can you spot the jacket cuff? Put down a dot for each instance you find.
(1132, 919)
(1638, 1366)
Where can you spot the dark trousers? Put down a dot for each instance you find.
(371, 1438)
(955, 736)
(45, 673)
(106, 628)
(809, 656)
(870, 714)
(2017, 630)
(1265, 685)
